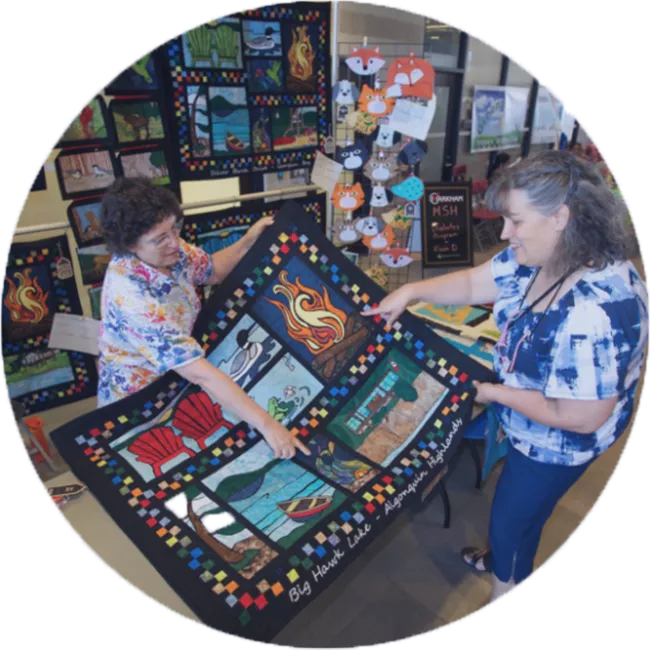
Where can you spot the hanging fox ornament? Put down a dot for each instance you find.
(396, 258)
(365, 61)
(409, 76)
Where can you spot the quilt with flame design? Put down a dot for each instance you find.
(40, 283)
(245, 539)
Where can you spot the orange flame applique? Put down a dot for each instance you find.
(311, 318)
(27, 302)
(301, 54)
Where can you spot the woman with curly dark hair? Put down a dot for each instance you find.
(150, 305)
(573, 318)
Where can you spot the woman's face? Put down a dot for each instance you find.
(533, 237)
(160, 247)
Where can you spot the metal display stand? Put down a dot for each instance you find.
(344, 132)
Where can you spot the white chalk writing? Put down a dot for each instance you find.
(297, 591)
(397, 501)
(439, 456)
(359, 535)
(320, 571)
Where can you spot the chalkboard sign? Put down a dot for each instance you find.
(447, 224)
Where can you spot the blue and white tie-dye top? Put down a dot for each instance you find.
(590, 345)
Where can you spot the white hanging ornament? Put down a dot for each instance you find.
(64, 269)
(330, 144)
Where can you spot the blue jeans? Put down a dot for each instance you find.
(525, 497)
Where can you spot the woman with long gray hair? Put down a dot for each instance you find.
(573, 317)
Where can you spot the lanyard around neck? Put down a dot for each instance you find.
(554, 287)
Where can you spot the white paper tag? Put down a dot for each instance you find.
(326, 172)
(73, 332)
(64, 268)
(413, 119)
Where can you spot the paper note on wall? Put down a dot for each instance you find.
(326, 172)
(412, 118)
(77, 333)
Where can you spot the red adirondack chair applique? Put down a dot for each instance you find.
(157, 447)
(198, 418)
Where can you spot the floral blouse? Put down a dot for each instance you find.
(147, 321)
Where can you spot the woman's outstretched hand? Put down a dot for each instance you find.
(281, 441)
(257, 229)
(392, 306)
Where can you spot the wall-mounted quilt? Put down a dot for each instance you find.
(39, 284)
(250, 91)
(247, 541)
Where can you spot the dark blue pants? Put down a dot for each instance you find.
(525, 497)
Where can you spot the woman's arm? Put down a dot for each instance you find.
(226, 392)
(580, 416)
(225, 260)
(468, 287)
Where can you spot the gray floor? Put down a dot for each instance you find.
(409, 581)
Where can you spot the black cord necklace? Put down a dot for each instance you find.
(528, 331)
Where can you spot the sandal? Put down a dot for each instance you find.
(479, 559)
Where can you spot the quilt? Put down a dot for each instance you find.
(245, 539)
(40, 283)
(250, 91)
(216, 230)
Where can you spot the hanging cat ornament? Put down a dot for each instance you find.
(353, 156)
(380, 241)
(380, 197)
(348, 198)
(374, 102)
(373, 109)
(412, 188)
(381, 167)
(345, 95)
